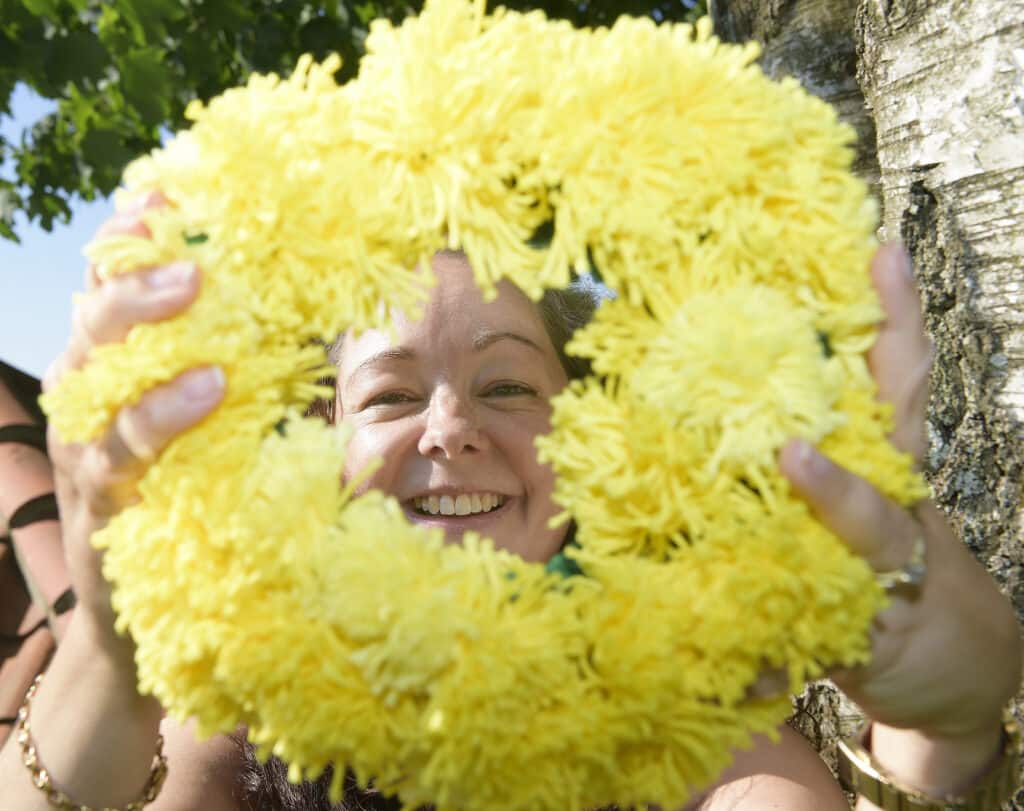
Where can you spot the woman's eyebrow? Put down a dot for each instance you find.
(485, 338)
(391, 353)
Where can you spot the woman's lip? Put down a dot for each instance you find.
(456, 521)
(454, 492)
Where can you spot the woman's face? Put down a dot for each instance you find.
(452, 409)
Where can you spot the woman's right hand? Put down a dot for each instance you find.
(96, 480)
(92, 729)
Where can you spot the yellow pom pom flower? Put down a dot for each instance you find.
(719, 206)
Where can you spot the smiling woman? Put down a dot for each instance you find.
(451, 409)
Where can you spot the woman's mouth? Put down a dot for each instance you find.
(459, 505)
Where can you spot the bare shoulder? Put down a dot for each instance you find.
(788, 775)
(200, 774)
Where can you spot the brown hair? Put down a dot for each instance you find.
(265, 787)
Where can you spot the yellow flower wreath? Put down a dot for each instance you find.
(721, 208)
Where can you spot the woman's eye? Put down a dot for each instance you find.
(509, 390)
(389, 398)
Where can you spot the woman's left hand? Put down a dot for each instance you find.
(946, 655)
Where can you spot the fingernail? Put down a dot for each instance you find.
(174, 275)
(202, 384)
(139, 203)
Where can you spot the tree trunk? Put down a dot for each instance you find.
(934, 90)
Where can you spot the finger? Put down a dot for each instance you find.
(111, 467)
(901, 358)
(127, 221)
(143, 430)
(108, 313)
(874, 527)
(140, 202)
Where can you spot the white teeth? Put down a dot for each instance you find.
(463, 504)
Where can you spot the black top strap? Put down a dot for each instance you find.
(40, 508)
(33, 435)
(17, 639)
(65, 602)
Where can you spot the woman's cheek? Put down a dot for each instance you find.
(540, 478)
(369, 443)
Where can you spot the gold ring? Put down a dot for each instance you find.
(911, 574)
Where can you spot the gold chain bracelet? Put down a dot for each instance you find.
(41, 777)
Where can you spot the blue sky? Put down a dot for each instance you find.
(38, 276)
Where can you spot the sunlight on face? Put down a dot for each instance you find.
(452, 408)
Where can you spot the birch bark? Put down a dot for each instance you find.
(935, 92)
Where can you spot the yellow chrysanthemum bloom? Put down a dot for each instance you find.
(718, 204)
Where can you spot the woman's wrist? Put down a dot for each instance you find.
(891, 767)
(93, 733)
(936, 765)
(95, 629)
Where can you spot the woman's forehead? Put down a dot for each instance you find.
(456, 317)
(455, 300)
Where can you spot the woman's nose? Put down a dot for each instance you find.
(452, 427)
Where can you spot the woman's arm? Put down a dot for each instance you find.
(202, 775)
(934, 767)
(27, 475)
(787, 775)
(94, 735)
(946, 652)
(26, 596)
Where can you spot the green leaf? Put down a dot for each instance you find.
(77, 57)
(114, 31)
(148, 18)
(103, 147)
(50, 9)
(226, 15)
(79, 108)
(271, 43)
(10, 202)
(367, 12)
(321, 36)
(147, 84)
